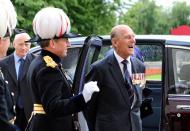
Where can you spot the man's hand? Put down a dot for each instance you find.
(89, 89)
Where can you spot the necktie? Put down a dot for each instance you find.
(20, 70)
(128, 81)
(20, 73)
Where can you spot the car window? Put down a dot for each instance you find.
(181, 66)
(152, 55)
(70, 61)
(104, 51)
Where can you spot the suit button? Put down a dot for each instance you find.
(14, 108)
(12, 94)
(6, 82)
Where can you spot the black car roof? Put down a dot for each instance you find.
(175, 40)
(164, 39)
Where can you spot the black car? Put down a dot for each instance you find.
(167, 61)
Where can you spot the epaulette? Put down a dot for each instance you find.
(1, 74)
(49, 62)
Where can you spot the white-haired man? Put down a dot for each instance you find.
(15, 74)
(7, 24)
(53, 100)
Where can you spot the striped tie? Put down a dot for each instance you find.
(128, 81)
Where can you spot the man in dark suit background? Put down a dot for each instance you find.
(15, 68)
(117, 106)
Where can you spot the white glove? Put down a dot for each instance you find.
(89, 89)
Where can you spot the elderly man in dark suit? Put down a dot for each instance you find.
(120, 78)
(15, 68)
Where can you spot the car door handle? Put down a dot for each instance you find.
(183, 107)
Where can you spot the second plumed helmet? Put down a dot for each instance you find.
(8, 18)
(50, 23)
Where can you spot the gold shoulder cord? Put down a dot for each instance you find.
(49, 62)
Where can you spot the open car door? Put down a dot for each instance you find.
(177, 94)
(88, 55)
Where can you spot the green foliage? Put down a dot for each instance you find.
(91, 16)
(87, 16)
(99, 16)
(26, 10)
(147, 18)
(144, 17)
(180, 14)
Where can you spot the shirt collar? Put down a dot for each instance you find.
(53, 56)
(17, 58)
(120, 59)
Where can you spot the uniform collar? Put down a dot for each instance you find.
(53, 56)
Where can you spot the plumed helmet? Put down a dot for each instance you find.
(51, 23)
(3, 22)
(8, 17)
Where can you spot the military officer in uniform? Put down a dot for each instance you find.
(54, 103)
(7, 24)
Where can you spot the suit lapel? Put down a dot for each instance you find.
(11, 68)
(118, 77)
(133, 65)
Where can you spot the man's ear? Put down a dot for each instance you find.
(114, 42)
(51, 43)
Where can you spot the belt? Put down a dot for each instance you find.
(38, 109)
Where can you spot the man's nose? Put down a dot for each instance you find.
(133, 39)
(68, 44)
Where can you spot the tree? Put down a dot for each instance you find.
(26, 10)
(87, 16)
(180, 14)
(144, 17)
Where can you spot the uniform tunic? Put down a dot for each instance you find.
(7, 112)
(52, 91)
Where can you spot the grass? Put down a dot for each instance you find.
(153, 77)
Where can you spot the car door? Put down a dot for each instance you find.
(89, 54)
(177, 93)
(153, 53)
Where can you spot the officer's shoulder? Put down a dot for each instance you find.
(49, 62)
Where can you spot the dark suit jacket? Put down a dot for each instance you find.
(8, 68)
(110, 109)
(6, 106)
